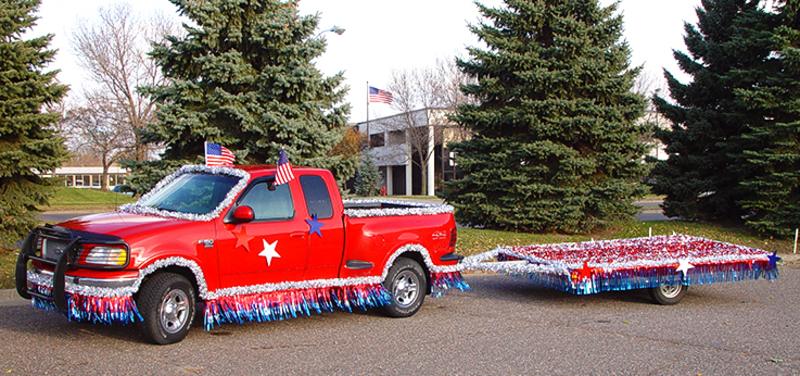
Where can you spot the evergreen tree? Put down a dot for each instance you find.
(368, 177)
(243, 77)
(27, 142)
(555, 144)
(730, 48)
(776, 205)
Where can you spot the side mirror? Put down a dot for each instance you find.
(243, 214)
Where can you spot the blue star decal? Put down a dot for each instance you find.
(773, 260)
(315, 225)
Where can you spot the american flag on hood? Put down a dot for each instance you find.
(284, 174)
(218, 155)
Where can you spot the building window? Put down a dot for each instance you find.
(397, 138)
(377, 140)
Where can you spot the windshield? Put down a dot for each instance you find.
(192, 193)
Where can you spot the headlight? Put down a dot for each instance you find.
(104, 255)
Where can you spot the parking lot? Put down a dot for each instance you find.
(503, 326)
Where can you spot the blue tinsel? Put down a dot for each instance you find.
(97, 310)
(441, 283)
(281, 305)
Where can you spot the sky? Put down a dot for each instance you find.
(382, 36)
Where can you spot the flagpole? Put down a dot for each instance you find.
(369, 144)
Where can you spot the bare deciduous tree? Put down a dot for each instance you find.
(648, 85)
(114, 52)
(415, 92)
(96, 131)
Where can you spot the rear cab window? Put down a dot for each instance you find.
(318, 198)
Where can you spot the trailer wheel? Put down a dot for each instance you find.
(166, 302)
(668, 295)
(407, 284)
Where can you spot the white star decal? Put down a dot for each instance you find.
(684, 267)
(269, 251)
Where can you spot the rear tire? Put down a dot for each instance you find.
(166, 302)
(668, 295)
(407, 283)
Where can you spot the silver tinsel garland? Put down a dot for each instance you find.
(138, 208)
(408, 208)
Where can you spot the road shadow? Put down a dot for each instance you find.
(505, 288)
(24, 320)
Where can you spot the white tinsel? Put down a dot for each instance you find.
(408, 208)
(138, 208)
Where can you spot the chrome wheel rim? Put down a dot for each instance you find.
(406, 288)
(174, 311)
(671, 292)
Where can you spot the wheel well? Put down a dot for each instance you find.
(416, 256)
(185, 272)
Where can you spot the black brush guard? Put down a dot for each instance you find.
(66, 260)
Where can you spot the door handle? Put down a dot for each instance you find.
(297, 235)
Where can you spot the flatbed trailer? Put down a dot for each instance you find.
(665, 265)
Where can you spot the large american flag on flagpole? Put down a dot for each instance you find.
(218, 155)
(284, 173)
(379, 96)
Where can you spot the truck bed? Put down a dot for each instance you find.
(361, 208)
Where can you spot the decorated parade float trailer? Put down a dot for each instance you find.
(664, 265)
(251, 247)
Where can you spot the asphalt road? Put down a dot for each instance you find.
(504, 326)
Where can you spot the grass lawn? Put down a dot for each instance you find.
(86, 199)
(8, 259)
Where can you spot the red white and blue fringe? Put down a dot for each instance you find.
(286, 304)
(442, 283)
(626, 264)
(116, 310)
(259, 307)
(268, 302)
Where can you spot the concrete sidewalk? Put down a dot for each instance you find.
(10, 295)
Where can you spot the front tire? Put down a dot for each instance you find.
(407, 283)
(668, 295)
(166, 302)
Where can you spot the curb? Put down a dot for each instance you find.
(10, 295)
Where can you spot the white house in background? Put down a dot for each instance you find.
(392, 143)
(89, 177)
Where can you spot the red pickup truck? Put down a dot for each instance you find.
(249, 249)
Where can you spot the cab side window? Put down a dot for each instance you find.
(318, 199)
(269, 205)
